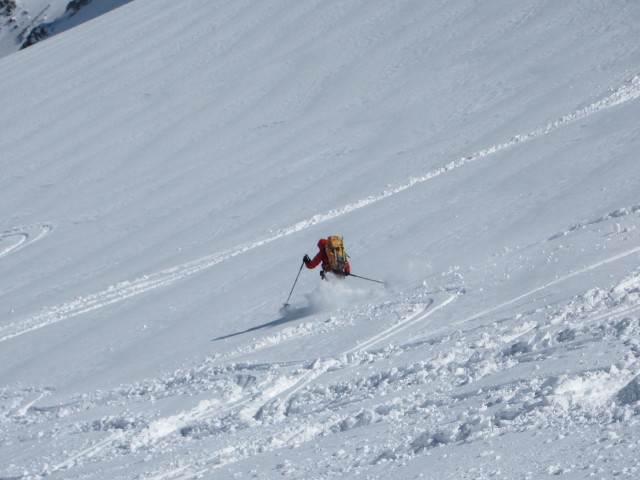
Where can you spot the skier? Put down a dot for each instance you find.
(332, 256)
(334, 260)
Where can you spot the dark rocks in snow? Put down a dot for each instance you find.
(7, 7)
(32, 27)
(43, 31)
(37, 34)
(74, 5)
(630, 393)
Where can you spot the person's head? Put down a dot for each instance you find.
(322, 243)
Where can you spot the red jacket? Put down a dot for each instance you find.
(321, 256)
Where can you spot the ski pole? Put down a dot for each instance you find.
(286, 304)
(365, 278)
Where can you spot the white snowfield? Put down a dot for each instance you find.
(166, 166)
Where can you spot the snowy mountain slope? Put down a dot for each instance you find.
(26, 22)
(167, 166)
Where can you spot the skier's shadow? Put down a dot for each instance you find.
(288, 316)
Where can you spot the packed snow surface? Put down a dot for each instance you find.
(166, 166)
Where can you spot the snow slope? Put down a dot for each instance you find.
(167, 165)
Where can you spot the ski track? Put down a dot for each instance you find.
(287, 387)
(247, 407)
(26, 235)
(281, 388)
(156, 430)
(526, 396)
(319, 367)
(558, 280)
(421, 315)
(121, 291)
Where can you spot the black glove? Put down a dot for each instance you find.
(306, 259)
(346, 274)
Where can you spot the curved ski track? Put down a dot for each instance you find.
(121, 291)
(26, 235)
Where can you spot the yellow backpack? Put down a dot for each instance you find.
(335, 254)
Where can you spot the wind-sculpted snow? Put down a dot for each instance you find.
(127, 289)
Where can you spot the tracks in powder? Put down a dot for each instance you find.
(19, 237)
(288, 408)
(126, 289)
(281, 399)
(281, 388)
